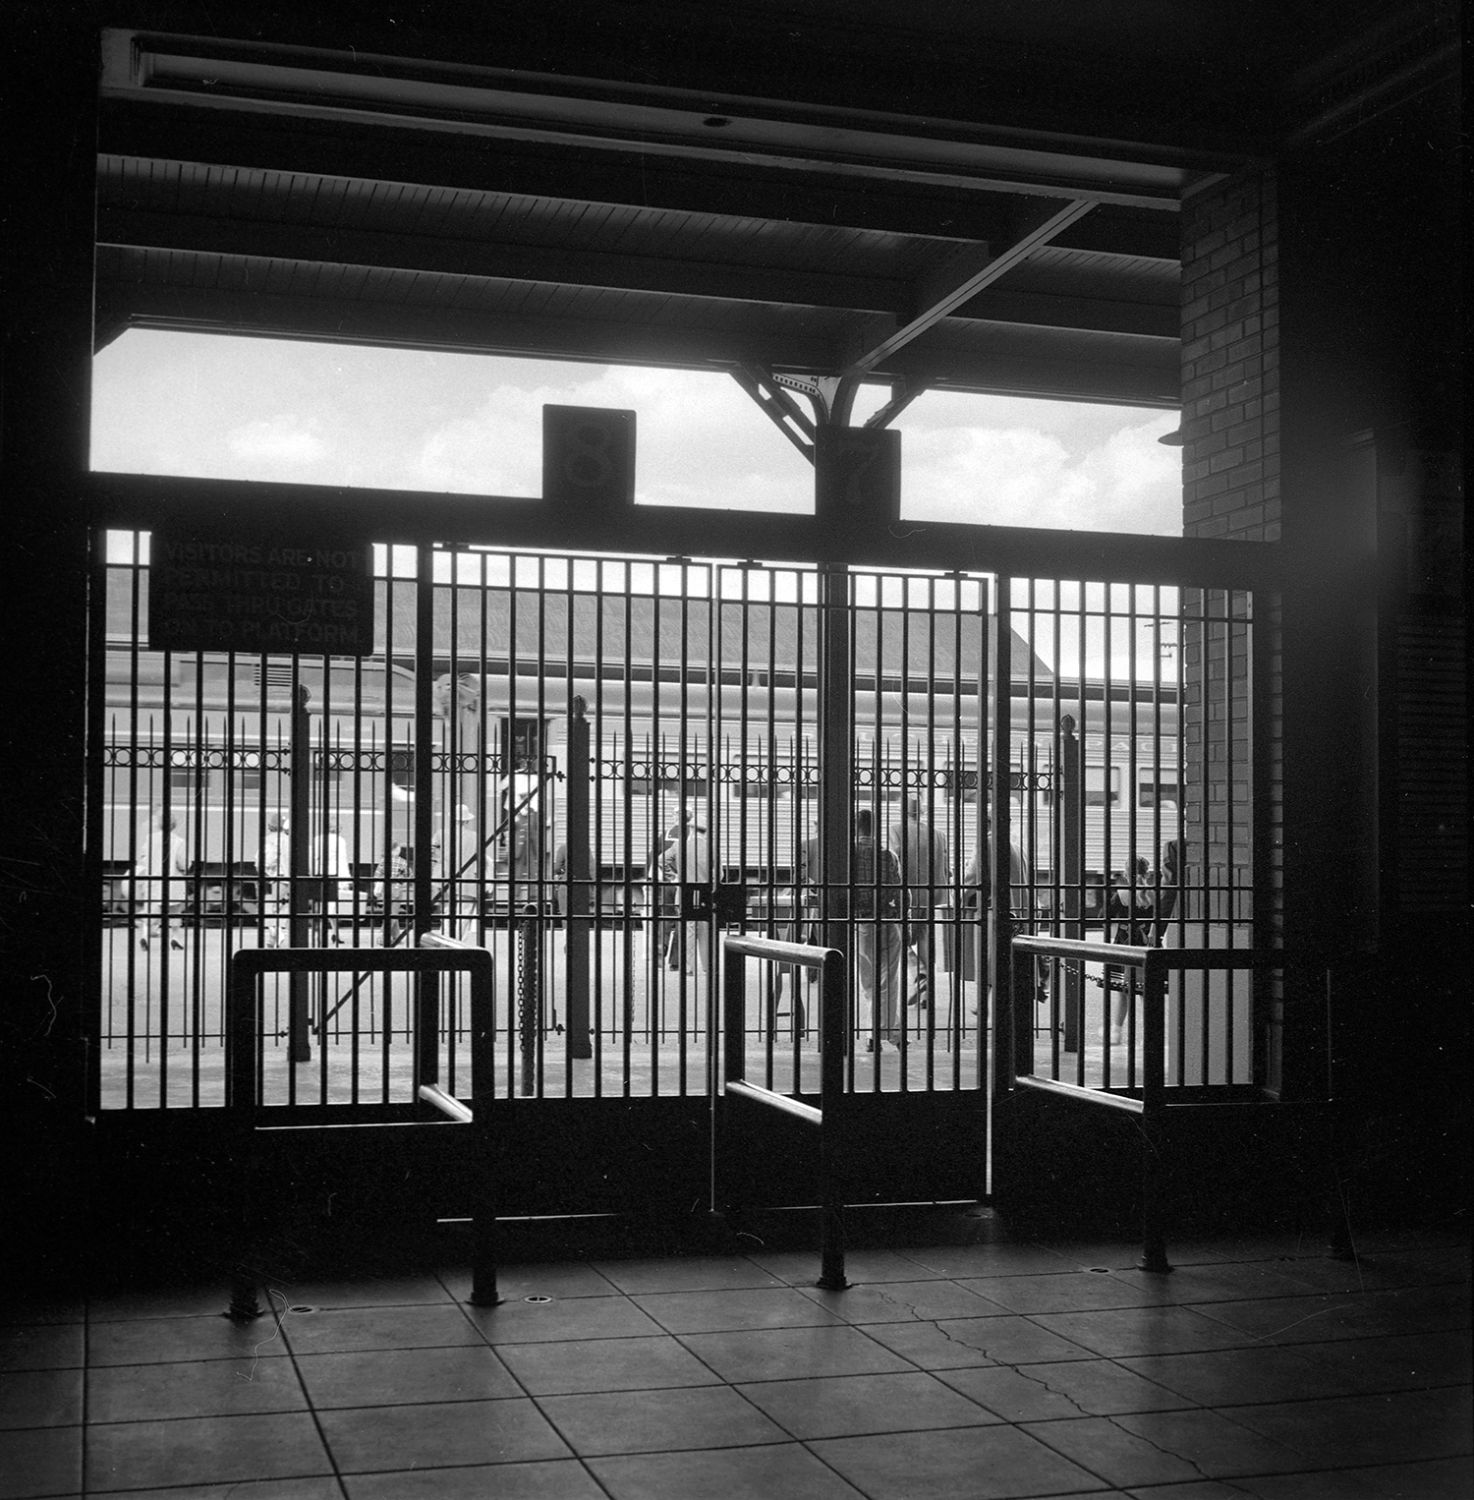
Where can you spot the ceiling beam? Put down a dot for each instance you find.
(415, 326)
(151, 132)
(1154, 320)
(778, 407)
(903, 393)
(1106, 382)
(960, 207)
(1134, 232)
(494, 259)
(1151, 376)
(967, 275)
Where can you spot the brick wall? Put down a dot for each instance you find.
(1230, 423)
(1230, 362)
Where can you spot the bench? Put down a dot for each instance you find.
(223, 888)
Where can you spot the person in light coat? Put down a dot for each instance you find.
(158, 873)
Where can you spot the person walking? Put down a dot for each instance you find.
(162, 858)
(697, 871)
(276, 871)
(665, 891)
(875, 906)
(1168, 889)
(1018, 897)
(806, 927)
(922, 854)
(1128, 921)
(333, 871)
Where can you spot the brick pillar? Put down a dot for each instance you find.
(1230, 423)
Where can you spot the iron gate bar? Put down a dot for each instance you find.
(1154, 1107)
(830, 1117)
(407, 929)
(243, 1064)
(889, 770)
(447, 1104)
(143, 501)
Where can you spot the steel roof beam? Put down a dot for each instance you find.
(1150, 320)
(967, 275)
(409, 325)
(1148, 377)
(778, 407)
(494, 260)
(1134, 232)
(961, 211)
(498, 261)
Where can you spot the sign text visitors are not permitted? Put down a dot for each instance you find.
(219, 591)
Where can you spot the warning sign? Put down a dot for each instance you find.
(228, 592)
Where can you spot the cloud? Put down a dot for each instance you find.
(277, 442)
(1014, 475)
(270, 409)
(699, 440)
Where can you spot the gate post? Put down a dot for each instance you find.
(426, 986)
(299, 851)
(576, 891)
(529, 996)
(836, 754)
(1070, 875)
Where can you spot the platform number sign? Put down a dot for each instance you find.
(857, 475)
(589, 458)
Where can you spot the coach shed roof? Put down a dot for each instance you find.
(476, 627)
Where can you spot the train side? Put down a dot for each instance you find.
(740, 757)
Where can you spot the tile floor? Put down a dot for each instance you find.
(1257, 1369)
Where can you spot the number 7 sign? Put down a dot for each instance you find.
(857, 475)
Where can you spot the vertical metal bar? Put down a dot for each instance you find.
(707, 933)
(1006, 1039)
(299, 848)
(194, 902)
(1265, 809)
(655, 737)
(733, 1000)
(883, 834)
(598, 835)
(1180, 896)
(543, 806)
(836, 770)
(425, 1022)
(243, 1004)
(686, 953)
(734, 1014)
(490, 1154)
(834, 1141)
(329, 862)
(959, 929)
(1082, 710)
(1153, 1117)
(529, 993)
(577, 876)
(1026, 752)
(652, 930)
(927, 971)
(97, 967)
(1071, 814)
(1230, 829)
(134, 885)
(242, 1043)
(163, 881)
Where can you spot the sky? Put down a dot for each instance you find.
(314, 413)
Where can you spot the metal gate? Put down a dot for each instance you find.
(591, 764)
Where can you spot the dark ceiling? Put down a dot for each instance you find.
(976, 196)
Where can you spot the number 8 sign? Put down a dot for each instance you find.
(589, 457)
